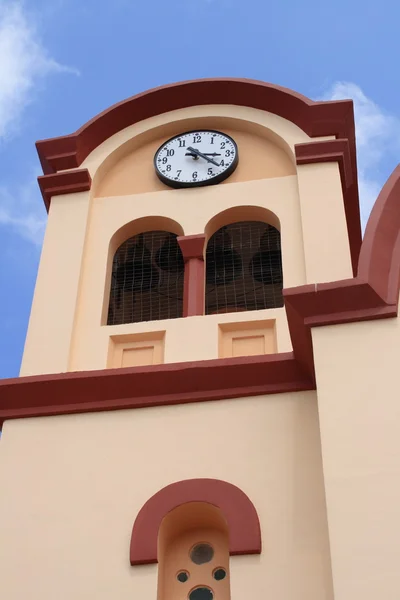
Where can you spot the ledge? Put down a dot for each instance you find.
(57, 184)
(159, 385)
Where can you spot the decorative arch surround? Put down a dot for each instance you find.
(238, 510)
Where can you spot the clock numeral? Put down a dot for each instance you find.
(164, 160)
(179, 172)
(170, 152)
(182, 143)
(169, 167)
(196, 139)
(194, 175)
(227, 152)
(210, 171)
(222, 164)
(222, 145)
(212, 140)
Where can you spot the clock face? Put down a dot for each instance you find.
(196, 158)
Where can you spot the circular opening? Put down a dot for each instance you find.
(219, 574)
(201, 593)
(201, 553)
(182, 576)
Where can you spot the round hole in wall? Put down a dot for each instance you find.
(201, 593)
(182, 576)
(219, 574)
(201, 553)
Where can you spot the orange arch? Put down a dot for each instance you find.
(238, 510)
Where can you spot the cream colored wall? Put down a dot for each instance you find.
(48, 340)
(358, 396)
(71, 487)
(326, 242)
(71, 295)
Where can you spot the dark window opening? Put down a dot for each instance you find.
(244, 268)
(147, 279)
(219, 574)
(201, 593)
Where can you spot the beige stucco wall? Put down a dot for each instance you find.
(358, 397)
(50, 329)
(73, 485)
(67, 321)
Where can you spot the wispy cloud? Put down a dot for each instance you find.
(23, 211)
(24, 62)
(378, 141)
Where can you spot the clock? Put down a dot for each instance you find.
(196, 158)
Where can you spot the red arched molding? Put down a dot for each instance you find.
(379, 262)
(315, 118)
(238, 510)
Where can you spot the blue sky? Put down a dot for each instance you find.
(63, 61)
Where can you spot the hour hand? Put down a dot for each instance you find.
(197, 153)
(205, 154)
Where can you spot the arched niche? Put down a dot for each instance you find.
(193, 552)
(129, 168)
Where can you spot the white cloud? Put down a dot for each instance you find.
(24, 62)
(23, 211)
(377, 136)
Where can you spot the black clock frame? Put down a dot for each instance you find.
(192, 184)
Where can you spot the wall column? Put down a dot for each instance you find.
(192, 247)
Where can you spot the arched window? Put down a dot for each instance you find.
(244, 268)
(147, 279)
(193, 549)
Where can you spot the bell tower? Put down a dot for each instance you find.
(179, 428)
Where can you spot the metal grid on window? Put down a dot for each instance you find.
(147, 279)
(244, 268)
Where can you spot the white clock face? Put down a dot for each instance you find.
(196, 158)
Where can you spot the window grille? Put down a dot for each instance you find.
(147, 279)
(244, 268)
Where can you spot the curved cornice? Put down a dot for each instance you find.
(315, 118)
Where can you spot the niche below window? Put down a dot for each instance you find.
(249, 338)
(136, 350)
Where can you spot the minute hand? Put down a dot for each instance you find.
(210, 160)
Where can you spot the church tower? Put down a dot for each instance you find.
(207, 407)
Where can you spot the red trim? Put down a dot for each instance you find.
(159, 385)
(64, 183)
(379, 262)
(238, 510)
(192, 247)
(339, 151)
(315, 118)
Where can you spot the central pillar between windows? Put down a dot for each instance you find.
(192, 247)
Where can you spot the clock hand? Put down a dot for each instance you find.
(205, 154)
(197, 153)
